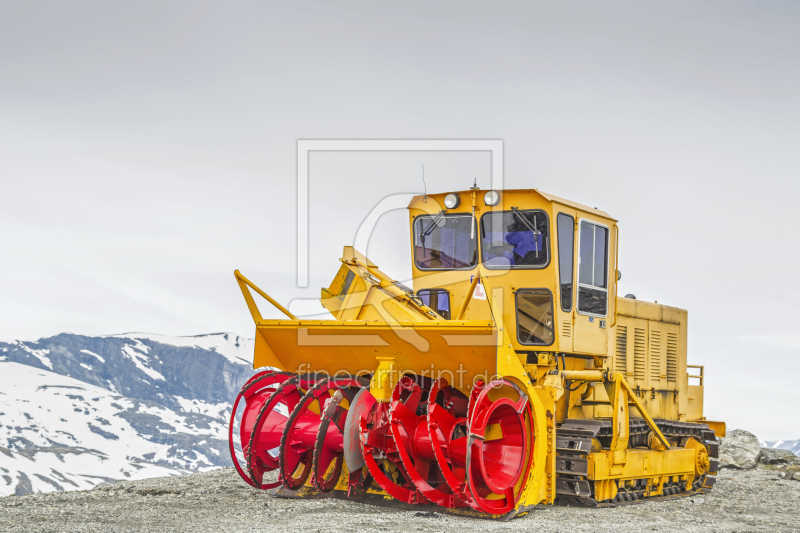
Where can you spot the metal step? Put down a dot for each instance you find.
(573, 487)
(573, 442)
(572, 465)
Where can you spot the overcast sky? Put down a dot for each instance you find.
(147, 149)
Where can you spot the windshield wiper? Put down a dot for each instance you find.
(428, 230)
(532, 229)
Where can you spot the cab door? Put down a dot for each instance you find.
(593, 292)
(565, 310)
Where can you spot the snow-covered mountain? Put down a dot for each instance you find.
(139, 365)
(77, 410)
(791, 445)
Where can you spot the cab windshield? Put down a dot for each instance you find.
(445, 242)
(515, 239)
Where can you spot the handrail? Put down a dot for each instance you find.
(647, 418)
(616, 272)
(583, 375)
(700, 377)
(244, 283)
(467, 298)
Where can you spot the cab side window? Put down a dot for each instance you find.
(535, 317)
(436, 299)
(593, 269)
(566, 251)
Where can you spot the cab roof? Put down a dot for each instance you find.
(547, 196)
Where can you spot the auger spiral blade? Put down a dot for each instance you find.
(265, 439)
(255, 393)
(499, 446)
(409, 426)
(380, 451)
(328, 458)
(431, 444)
(447, 425)
(312, 442)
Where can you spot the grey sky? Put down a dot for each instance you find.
(147, 150)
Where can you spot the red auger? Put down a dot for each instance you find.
(429, 444)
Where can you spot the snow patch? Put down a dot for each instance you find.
(233, 347)
(87, 367)
(41, 355)
(95, 355)
(204, 408)
(140, 359)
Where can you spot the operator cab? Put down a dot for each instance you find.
(528, 248)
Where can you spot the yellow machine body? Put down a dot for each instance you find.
(622, 362)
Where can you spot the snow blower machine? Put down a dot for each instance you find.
(511, 375)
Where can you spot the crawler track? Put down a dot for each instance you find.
(573, 444)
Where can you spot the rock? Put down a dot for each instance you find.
(796, 476)
(772, 456)
(24, 486)
(790, 471)
(740, 449)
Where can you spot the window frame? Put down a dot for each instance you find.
(446, 215)
(521, 267)
(516, 314)
(449, 300)
(573, 297)
(578, 283)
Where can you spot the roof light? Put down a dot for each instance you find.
(451, 201)
(491, 198)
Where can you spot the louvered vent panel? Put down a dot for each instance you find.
(566, 329)
(639, 353)
(672, 357)
(622, 349)
(655, 355)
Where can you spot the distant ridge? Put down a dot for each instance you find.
(791, 445)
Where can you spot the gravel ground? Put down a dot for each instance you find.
(743, 500)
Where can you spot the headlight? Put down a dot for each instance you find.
(491, 198)
(451, 201)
